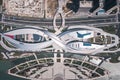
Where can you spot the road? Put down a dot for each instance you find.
(49, 22)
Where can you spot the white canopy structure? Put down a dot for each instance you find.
(80, 39)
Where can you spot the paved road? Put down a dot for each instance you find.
(49, 22)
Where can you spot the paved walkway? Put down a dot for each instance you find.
(62, 15)
(114, 69)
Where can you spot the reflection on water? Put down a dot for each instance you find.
(107, 4)
(4, 66)
(0, 2)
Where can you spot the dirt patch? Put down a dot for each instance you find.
(51, 7)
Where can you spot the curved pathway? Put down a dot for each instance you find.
(62, 15)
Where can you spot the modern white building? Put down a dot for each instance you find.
(80, 39)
